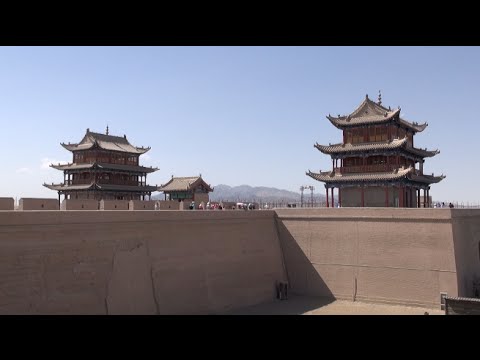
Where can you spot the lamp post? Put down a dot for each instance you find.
(306, 187)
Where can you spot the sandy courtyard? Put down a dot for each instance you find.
(303, 305)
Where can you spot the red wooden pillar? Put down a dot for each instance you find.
(401, 195)
(340, 197)
(411, 197)
(363, 197)
(386, 196)
(333, 199)
(326, 189)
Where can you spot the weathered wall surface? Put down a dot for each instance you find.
(137, 262)
(7, 203)
(466, 237)
(38, 204)
(113, 204)
(80, 204)
(404, 256)
(142, 205)
(170, 205)
(180, 262)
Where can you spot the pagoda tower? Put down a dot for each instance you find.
(377, 164)
(104, 167)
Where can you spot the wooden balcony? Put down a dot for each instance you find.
(367, 168)
(110, 182)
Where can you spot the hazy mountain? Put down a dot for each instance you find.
(250, 193)
(258, 193)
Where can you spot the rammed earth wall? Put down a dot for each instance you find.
(204, 262)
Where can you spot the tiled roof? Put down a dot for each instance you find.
(331, 176)
(410, 173)
(369, 112)
(339, 148)
(131, 168)
(462, 299)
(384, 145)
(429, 179)
(62, 187)
(183, 184)
(423, 152)
(107, 187)
(106, 142)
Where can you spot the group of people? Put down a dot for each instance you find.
(442, 205)
(209, 206)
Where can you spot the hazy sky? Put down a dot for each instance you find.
(237, 115)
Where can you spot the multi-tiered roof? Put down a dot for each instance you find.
(395, 144)
(110, 155)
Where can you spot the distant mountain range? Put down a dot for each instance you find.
(258, 193)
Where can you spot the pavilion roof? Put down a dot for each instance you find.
(372, 146)
(184, 184)
(107, 166)
(332, 176)
(105, 142)
(410, 173)
(371, 113)
(106, 187)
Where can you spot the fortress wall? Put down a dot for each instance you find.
(404, 256)
(171, 205)
(7, 203)
(137, 262)
(38, 204)
(79, 204)
(466, 238)
(142, 205)
(180, 262)
(113, 204)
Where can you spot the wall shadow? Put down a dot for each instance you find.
(307, 290)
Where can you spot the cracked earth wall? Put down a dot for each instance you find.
(137, 262)
(210, 262)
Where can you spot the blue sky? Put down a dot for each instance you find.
(237, 115)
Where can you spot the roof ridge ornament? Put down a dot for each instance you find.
(106, 131)
(379, 97)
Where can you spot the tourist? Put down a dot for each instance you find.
(450, 206)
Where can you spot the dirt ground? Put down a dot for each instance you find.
(303, 305)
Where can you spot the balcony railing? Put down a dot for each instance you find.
(111, 182)
(368, 168)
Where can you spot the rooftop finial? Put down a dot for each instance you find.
(107, 130)
(366, 96)
(88, 130)
(379, 97)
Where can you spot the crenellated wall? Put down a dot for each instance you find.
(7, 203)
(113, 205)
(142, 205)
(38, 204)
(80, 204)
